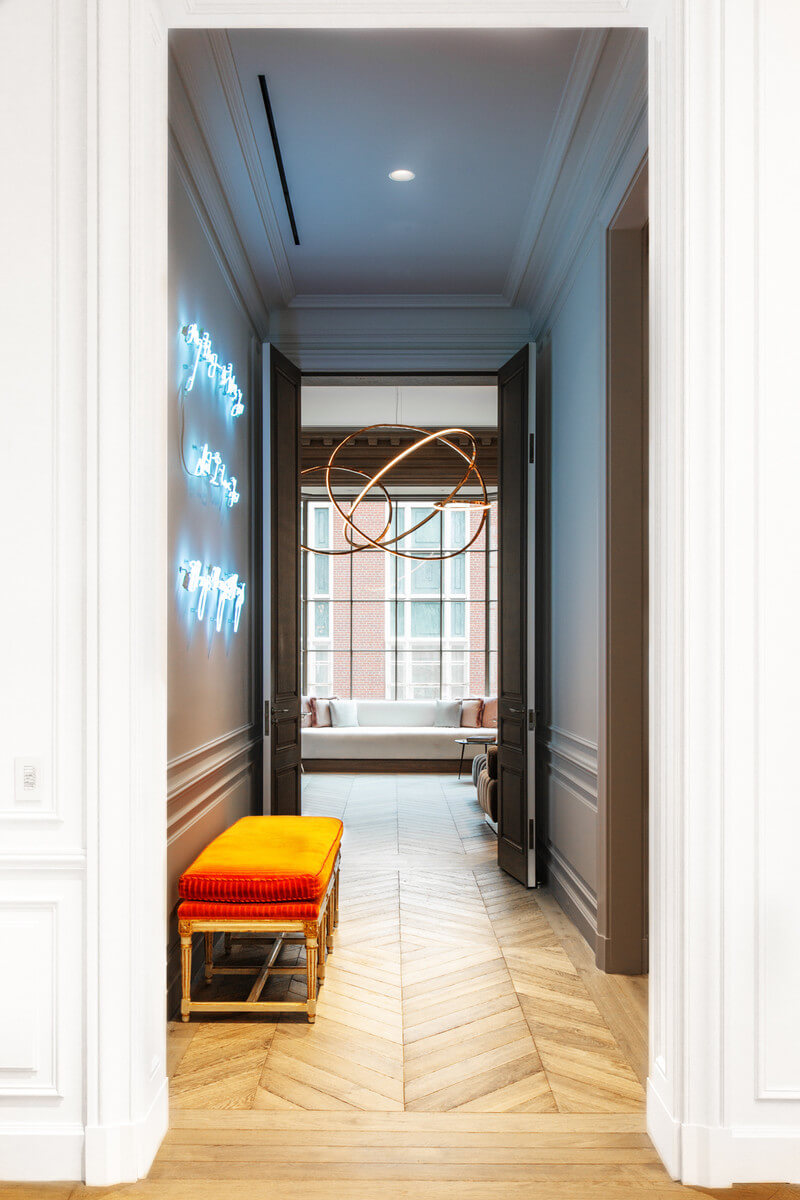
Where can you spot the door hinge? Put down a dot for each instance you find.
(533, 447)
(266, 718)
(531, 834)
(531, 718)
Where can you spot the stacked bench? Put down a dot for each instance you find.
(273, 877)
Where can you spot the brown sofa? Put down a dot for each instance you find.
(487, 785)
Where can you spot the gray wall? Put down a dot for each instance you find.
(571, 404)
(214, 678)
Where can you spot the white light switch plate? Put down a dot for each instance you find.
(29, 781)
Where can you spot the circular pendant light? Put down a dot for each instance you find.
(382, 542)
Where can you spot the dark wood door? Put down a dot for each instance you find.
(515, 843)
(283, 563)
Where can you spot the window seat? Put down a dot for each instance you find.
(426, 742)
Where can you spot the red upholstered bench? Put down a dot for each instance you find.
(276, 877)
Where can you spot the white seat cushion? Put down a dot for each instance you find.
(396, 712)
(425, 743)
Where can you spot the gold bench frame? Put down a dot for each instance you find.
(316, 932)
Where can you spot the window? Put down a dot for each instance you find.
(376, 626)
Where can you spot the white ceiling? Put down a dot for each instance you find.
(471, 406)
(469, 111)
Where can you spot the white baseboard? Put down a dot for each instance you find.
(124, 1153)
(664, 1132)
(718, 1158)
(41, 1153)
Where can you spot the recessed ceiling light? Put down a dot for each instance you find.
(402, 175)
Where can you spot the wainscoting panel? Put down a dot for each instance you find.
(39, 932)
(207, 790)
(567, 783)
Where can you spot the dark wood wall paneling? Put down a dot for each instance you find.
(285, 501)
(435, 464)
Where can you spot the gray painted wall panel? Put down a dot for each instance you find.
(574, 395)
(213, 677)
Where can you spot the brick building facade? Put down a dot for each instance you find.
(380, 627)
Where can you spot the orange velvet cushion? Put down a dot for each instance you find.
(265, 859)
(213, 910)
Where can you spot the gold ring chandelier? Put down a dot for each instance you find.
(389, 545)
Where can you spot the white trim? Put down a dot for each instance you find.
(41, 1153)
(232, 91)
(718, 1157)
(566, 227)
(60, 861)
(581, 73)
(398, 300)
(664, 1131)
(124, 1152)
(206, 192)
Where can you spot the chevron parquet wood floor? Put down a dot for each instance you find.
(465, 1043)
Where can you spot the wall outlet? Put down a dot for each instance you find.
(29, 781)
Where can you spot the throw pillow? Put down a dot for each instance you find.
(320, 711)
(447, 714)
(471, 711)
(489, 718)
(344, 713)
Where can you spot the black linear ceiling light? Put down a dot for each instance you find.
(276, 146)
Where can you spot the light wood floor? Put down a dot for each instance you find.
(465, 1044)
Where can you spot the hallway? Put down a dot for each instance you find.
(449, 989)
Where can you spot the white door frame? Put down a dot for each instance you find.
(703, 144)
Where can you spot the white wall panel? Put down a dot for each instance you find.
(777, 102)
(41, 1048)
(43, 346)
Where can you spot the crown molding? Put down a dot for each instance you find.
(573, 98)
(381, 339)
(616, 135)
(230, 84)
(366, 300)
(387, 14)
(195, 166)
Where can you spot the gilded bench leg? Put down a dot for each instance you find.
(186, 973)
(336, 899)
(322, 945)
(209, 957)
(311, 971)
(329, 925)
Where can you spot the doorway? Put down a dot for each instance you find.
(506, 654)
(524, 1070)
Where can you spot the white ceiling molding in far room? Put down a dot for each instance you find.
(388, 339)
(419, 300)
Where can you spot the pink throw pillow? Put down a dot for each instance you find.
(321, 710)
(489, 717)
(471, 710)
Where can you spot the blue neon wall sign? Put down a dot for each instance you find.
(214, 592)
(221, 374)
(211, 466)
